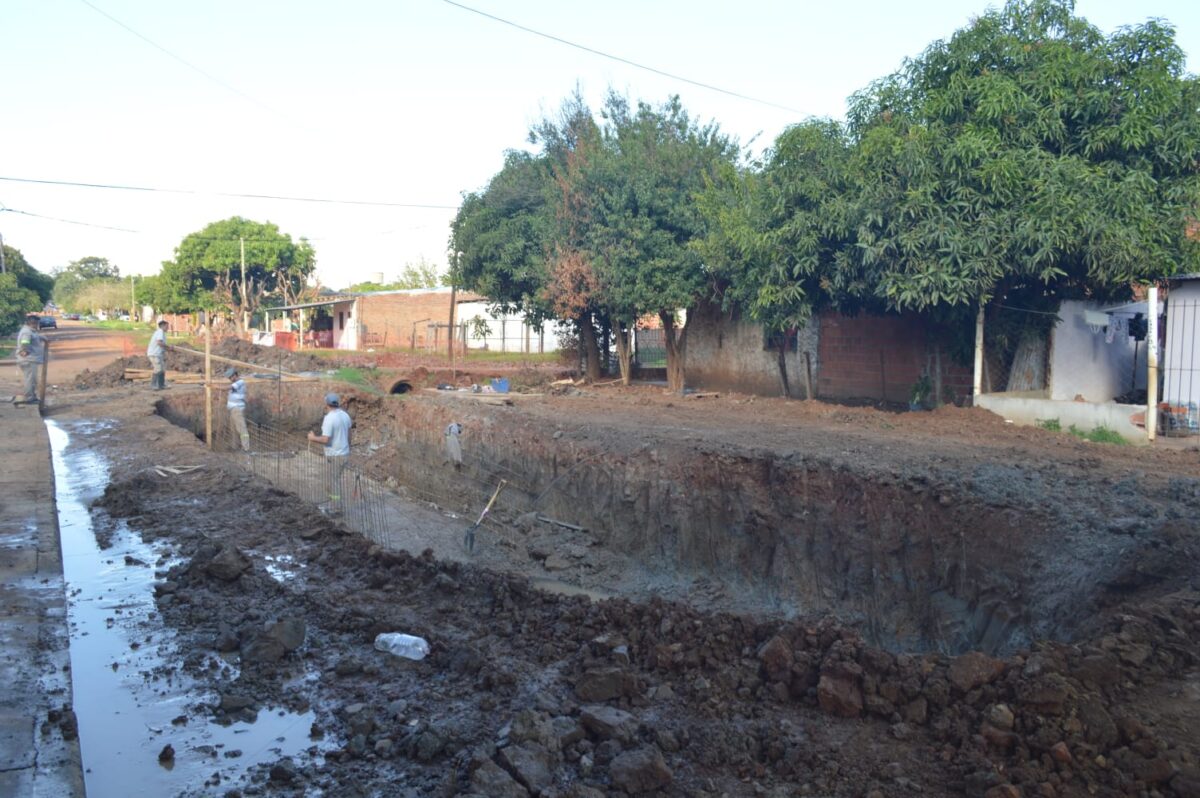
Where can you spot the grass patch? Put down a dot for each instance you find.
(117, 324)
(1101, 434)
(489, 356)
(6, 348)
(1048, 424)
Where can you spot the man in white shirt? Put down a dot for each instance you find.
(236, 405)
(30, 353)
(157, 351)
(335, 434)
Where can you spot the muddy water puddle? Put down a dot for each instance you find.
(130, 694)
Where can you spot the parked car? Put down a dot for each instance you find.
(124, 317)
(45, 322)
(72, 317)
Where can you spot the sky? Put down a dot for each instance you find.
(404, 103)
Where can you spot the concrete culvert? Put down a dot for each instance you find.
(400, 386)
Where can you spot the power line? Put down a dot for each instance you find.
(116, 187)
(4, 209)
(186, 63)
(619, 59)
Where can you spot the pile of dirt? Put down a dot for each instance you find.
(109, 376)
(528, 693)
(270, 358)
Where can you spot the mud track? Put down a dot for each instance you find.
(867, 562)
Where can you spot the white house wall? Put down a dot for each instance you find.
(1083, 364)
(513, 327)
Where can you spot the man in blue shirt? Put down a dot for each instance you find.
(335, 434)
(236, 405)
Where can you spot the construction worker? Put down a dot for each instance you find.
(31, 351)
(157, 351)
(236, 405)
(335, 435)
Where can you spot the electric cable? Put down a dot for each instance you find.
(625, 61)
(234, 195)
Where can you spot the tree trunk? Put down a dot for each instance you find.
(676, 351)
(623, 333)
(783, 374)
(591, 349)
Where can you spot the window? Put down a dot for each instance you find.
(341, 319)
(780, 339)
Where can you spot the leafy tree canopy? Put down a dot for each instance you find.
(70, 280)
(23, 289)
(207, 270)
(421, 274)
(1029, 148)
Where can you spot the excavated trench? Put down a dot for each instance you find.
(915, 564)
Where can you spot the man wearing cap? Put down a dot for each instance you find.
(236, 405)
(157, 351)
(31, 349)
(335, 434)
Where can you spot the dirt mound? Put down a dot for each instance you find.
(270, 357)
(108, 376)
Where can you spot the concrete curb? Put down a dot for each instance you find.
(39, 746)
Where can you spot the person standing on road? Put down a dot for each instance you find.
(157, 351)
(335, 434)
(31, 351)
(236, 405)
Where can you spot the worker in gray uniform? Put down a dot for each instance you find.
(31, 351)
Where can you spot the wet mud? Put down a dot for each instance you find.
(879, 649)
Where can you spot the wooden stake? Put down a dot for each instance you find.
(208, 384)
(45, 366)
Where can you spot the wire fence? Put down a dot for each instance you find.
(373, 491)
(1179, 408)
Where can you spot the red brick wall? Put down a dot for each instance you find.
(393, 315)
(880, 357)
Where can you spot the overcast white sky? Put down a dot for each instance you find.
(391, 101)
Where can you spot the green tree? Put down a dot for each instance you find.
(646, 228)
(777, 230)
(23, 289)
(69, 279)
(1027, 152)
(207, 270)
(421, 274)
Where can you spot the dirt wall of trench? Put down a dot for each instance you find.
(915, 563)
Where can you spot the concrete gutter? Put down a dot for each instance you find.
(39, 745)
(1027, 410)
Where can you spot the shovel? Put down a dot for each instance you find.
(469, 536)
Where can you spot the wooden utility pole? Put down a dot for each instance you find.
(450, 329)
(245, 296)
(977, 387)
(208, 382)
(1152, 363)
(45, 366)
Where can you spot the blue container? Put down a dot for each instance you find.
(500, 384)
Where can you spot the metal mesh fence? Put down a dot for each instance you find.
(1179, 408)
(369, 497)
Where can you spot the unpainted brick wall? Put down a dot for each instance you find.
(391, 316)
(881, 357)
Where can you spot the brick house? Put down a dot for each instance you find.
(412, 318)
(871, 357)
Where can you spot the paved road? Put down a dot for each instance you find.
(39, 754)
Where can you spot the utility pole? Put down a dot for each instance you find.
(133, 316)
(245, 314)
(1152, 363)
